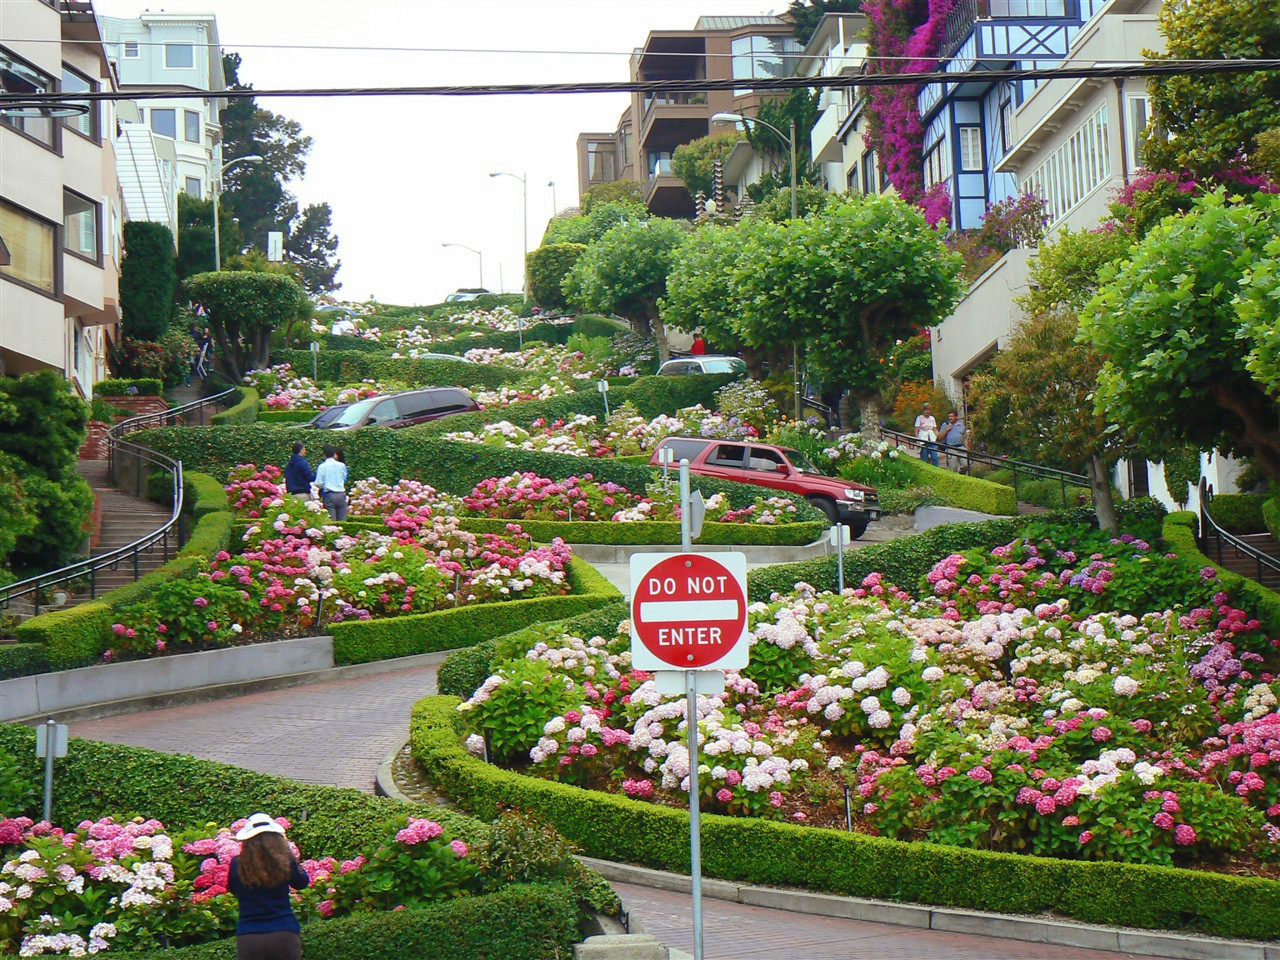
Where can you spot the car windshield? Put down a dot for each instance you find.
(723, 365)
(355, 413)
(800, 461)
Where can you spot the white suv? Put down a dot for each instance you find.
(708, 364)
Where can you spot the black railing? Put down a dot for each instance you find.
(1017, 467)
(1213, 537)
(129, 465)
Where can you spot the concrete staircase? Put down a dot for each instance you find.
(1245, 565)
(125, 518)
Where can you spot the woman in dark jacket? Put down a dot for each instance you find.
(261, 877)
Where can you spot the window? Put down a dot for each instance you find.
(450, 401)
(165, 123)
(684, 449)
(727, 455)
(763, 57)
(600, 157)
(869, 173)
(1077, 168)
(17, 76)
(194, 187)
(1006, 124)
(80, 218)
(936, 168)
(382, 413)
(75, 82)
(762, 458)
(179, 56)
(132, 51)
(970, 148)
(191, 126)
(32, 244)
(1139, 115)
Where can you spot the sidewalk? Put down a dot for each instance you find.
(336, 733)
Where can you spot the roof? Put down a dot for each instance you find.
(736, 23)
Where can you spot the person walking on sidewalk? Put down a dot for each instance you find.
(298, 475)
(953, 437)
(260, 877)
(927, 433)
(331, 478)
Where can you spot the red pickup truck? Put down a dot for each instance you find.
(778, 468)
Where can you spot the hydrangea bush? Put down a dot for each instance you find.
(1068, 695)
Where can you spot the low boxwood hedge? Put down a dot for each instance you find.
(284, 416)
(968, 493)
(244, 410)
(527, 922)
(210, 493)
(128, 386)
(362, 641)
(466, 668)
(1263, 603)
(1239, 512)
(22, 660)
(769, 853)
(658, 532)
(348, 366)
(905, 560)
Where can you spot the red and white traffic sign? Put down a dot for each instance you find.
(688, 611)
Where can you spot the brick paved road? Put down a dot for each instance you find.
(337, 733)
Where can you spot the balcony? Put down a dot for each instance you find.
(670, 119)
(966, 14)
(824, 140)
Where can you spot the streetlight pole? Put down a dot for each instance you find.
(524, 236)
(479, 256)
(737, 118)
(554, 207)
(217, 189)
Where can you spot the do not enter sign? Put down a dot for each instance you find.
(688, 611)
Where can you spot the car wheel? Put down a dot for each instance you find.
(857, 528)
(827, 506)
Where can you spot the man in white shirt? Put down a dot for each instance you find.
(927, 434)
(331, 478)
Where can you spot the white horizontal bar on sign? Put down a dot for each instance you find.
(680, 611)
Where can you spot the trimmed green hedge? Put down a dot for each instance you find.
(530, 922)
(1239, 512)
(210, 494)
(905, 560)
(348, 366)
(968, 493)
(120, 387)
(362, 641)
(768, 853)
(597, 325)
(1180, 532)
(1271, 516)
(244, 410)
(657, 532)
(22, 660)
(464, 670)
(284, 416)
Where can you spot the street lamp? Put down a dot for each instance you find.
(524, 235)
(478, 254)
(554, 208)
(217, 189)
(737, 118)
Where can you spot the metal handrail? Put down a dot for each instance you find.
(1261, 559)
(116, 446)
(1064, 477)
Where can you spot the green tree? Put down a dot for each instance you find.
(195, 235)
(1064, 274)
(694, 162)
(1035, 403)
(848, 283)
(17, 519)
(148, 280)
(611, 192)
(800, 106)
(810, 198)
(806, 14)
(547, 268)
(1266, 158)
(255, 193)
(313, 247)
(625, 272)
(1213, 120)
(243, 308)
(591, 227)
(1169, 332)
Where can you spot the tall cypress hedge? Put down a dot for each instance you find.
(148, 279)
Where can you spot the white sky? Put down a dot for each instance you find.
(404, 175)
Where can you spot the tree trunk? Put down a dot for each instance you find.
(846, 410)
(660, 337)
(1100, 485)
(229, 356)
(870, 407)
(754, 359)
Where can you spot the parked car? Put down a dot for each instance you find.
(405, 409)
(778, 468)
(465, 295)
(441, 356)
(682, 366)
(324, 419)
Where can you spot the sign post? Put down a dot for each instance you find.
(666, 457)
(839, 538)
(315, 360)
(688, 622)
(51, 741)
(603, 387)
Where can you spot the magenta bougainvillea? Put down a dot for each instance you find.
(897, 44)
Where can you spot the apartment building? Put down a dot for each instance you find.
(60, 201)
(167, 146)
(650, 129)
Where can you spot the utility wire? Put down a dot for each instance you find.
(1105, 72)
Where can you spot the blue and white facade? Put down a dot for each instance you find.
(968, 127)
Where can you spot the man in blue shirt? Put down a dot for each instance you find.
(331, 478)
(298, 475)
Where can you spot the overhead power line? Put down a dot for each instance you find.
(1156, 68)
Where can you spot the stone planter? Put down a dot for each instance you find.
(95, 441)
(138, 403)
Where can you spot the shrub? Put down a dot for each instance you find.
(208, 494)
(148, 277)
(1239, 512)
(547, 268)
(243, 410)
(968, 493)
(349, 366)
(1271, 516)
(126, 386)
(659, 532)
(849, 864)
(243, 309)
(1180, 532)
(23, 660)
